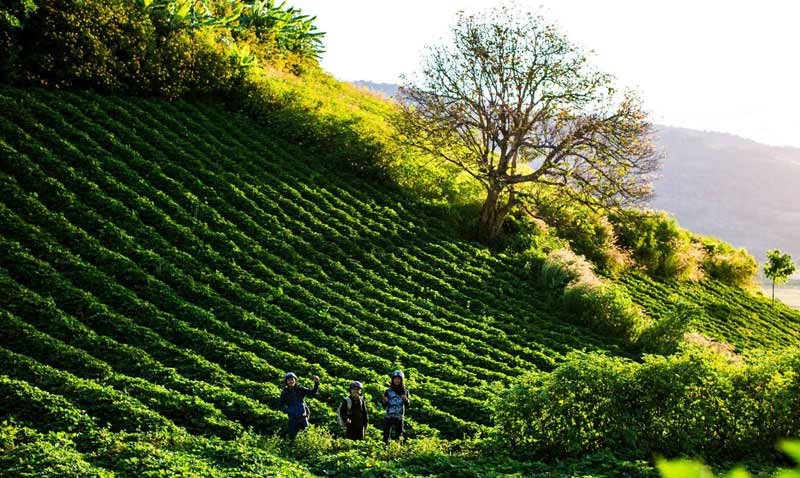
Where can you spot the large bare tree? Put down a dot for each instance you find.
(509, 90)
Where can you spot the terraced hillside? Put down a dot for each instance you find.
(726, 313)
(164, 263)
(177, 251)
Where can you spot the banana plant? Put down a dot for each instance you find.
(292, 30)
(191, 14)
(242, 57)
(287, 26)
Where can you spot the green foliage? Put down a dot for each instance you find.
(588, 232)
(563, 267)
(657, 244)
(603, 307)
(286, 27)
(169, 48)
(114, 46)
(727, 264)
(684, 468)
(526, 236)
(607, 309)
(14, 13)
(666, 334)
(312, 443)
(693, 403)
(779, 266)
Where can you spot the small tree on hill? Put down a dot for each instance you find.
(778, 268)
(510, 91)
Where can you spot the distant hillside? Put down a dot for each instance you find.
(730, 187)
(388, 89)
(723, 185)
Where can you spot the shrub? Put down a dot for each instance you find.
(588, 232)
(152, 47)
(607, 309)
(694, 403)
(603, 307)
(727, 264)
(103, 45)
(563, 267)
(658, 244)
(666, 334)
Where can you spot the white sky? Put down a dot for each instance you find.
(731, 66)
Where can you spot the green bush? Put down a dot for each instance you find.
(606, 309)
(666, 334)
(694, 403)
(588, 232)
(163, 48)
(522, 233)
(603, 307)
(312, 442)
(658, 244)
(114, 46)
(563, 267)
(726, 263)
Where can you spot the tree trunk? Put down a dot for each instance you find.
(773, 293)
(492, 217)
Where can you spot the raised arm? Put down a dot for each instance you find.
(312, 391)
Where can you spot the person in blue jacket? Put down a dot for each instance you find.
(293, 402)
(395, 400)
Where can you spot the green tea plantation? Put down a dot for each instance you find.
(163, 264)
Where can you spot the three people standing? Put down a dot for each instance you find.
(352, 412)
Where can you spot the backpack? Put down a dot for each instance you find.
(349, 401)
(388, 404)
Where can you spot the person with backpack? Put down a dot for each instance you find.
(292, 402)
(395, 400)
(352, 413)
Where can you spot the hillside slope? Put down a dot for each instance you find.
(162, 264)
(209, 246)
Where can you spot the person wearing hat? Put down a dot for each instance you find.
(395, 400)
(353, 413)
(293, 402)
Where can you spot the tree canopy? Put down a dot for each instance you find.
(511, 100)
(778, 268)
